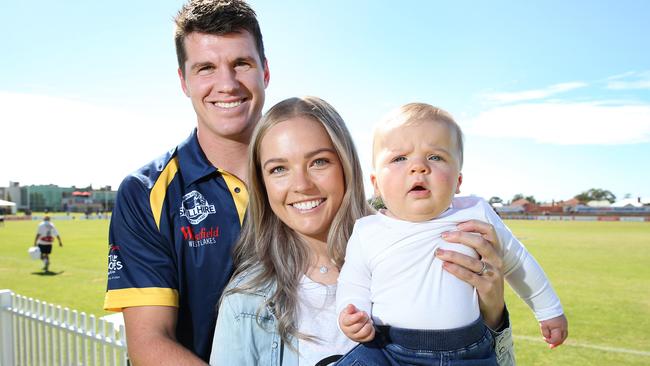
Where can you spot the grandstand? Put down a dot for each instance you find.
(52, 198)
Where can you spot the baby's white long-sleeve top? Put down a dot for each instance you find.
(391, 271)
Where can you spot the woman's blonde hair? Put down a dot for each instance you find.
(268, 252)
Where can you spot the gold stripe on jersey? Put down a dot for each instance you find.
(241, 197)
(157, 196)
(116, 300)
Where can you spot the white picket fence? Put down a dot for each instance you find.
(33, 332)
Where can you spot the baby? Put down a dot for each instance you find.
(391, 271)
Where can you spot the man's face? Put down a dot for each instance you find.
(225, 79)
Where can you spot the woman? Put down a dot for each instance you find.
(306, 192)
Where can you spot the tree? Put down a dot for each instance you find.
(519, 196)
(596, 194)
(495, 199)
(377, 203)
(531, 199)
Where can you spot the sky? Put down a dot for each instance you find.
(553, 96)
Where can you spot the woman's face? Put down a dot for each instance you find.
(303, 176)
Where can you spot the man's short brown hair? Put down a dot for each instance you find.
(216, 17)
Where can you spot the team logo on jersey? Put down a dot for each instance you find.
(195, 207)
(114, 263)
(204, 236)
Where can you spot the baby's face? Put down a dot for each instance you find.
(417, 169)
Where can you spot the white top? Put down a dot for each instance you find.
(317, 316)
(392, 273)
(46, 233)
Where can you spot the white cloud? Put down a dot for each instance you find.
(622, 75)
(49, 139)
(535, 94)
(630, 80)
(637, 84)
(566, 123)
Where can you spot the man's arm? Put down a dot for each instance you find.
(151, 340)
(59, 239)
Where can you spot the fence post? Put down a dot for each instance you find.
(6, 328)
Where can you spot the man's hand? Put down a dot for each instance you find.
(555, 330)
(356, 324)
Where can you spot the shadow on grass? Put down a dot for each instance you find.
(47, 273)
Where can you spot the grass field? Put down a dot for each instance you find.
(78, 269)
(601, 270)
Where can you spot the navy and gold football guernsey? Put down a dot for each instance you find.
(172, 229)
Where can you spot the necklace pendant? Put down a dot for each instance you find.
(323, 269)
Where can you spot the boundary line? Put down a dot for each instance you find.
(587, 345)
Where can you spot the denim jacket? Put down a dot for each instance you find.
(243, 338)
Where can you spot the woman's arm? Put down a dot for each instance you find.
(503, 345)
(482, 237)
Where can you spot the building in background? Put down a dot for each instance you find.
(52, 198)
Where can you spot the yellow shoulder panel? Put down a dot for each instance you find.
(159, 190)
(116, 300)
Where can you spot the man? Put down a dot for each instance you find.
(44, 237)
(176, 219)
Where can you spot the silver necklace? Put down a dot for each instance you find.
(323, 269)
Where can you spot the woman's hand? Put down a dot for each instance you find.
(486, 278)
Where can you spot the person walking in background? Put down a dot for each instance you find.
(44, 237)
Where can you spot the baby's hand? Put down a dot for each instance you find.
(554, 330)
(356, 324)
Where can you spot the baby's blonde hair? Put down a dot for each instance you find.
(413, 113)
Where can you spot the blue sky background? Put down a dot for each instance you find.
(553, 96)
